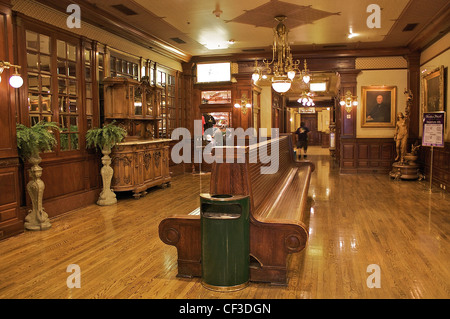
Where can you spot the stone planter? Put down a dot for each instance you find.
(37, 218)
(107, 196)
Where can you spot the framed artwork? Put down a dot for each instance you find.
(379, 106)
(433, 91)
(216, 97)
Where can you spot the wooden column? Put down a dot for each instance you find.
(11, 221)
(347, 122)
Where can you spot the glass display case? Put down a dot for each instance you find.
(135, 105)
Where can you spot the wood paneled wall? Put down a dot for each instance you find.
(367, 155)
(441, 165)
(11, 221)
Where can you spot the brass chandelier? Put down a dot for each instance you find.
(282, 69)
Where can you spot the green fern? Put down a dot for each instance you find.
(36, 139)
(105, 137)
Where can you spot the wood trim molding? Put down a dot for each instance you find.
(98, 17)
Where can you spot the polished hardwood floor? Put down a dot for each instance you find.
(355, 221)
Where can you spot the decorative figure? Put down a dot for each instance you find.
(37, 218)
(401, 137)
(107, 196)
(405, 166)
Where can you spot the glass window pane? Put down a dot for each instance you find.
(32, 40)
(72, 87)
(45, 63)
(46, 84)
(33, 82)
(62, 86)
(32, 60)
(47, 118)
(46, 105)
(62, 52)
(89, 110)
(64, 141)
(101, 75)
(118, 67)
(74, 141)
(72, 68)
(34, 119)
(71, 52)
(89, 123)
(88, 73)
(87, 55)
(33, 102)
(74, 123)
(62, 104)
(44, 44)
(61, 67)
(89, 90)
(100, 60)
(64, 123)
(72, 105)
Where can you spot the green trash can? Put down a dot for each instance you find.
(225, 223)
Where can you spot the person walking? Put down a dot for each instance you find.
(302, 139)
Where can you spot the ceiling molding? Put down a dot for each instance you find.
(435, 30)
(102, 19)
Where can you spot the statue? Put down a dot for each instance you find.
(401, 137)
(405, 166)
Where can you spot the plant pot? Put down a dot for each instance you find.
(37, 218)
(410, 158)
(107, 196)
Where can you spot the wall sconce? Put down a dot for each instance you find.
(243, 103)
(15, 80)
(349, 101)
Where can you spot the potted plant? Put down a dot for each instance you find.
(105, 138)
(30, 142)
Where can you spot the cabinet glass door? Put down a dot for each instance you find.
(137, 101)
(149, 104)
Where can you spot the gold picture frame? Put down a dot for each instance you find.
(433, 91)
(379, 106)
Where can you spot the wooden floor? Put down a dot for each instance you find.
(356, 221)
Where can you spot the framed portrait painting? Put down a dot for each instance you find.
(378, 106)
(433, 91)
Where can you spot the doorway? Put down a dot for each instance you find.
(311, 123)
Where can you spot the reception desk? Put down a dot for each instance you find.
(140, 164)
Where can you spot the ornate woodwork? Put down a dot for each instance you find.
(139, 165)
(142, 159)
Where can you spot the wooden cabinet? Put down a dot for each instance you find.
(129, 99)
(142, 159)
(139, 165)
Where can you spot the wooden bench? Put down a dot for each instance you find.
(279, 215)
